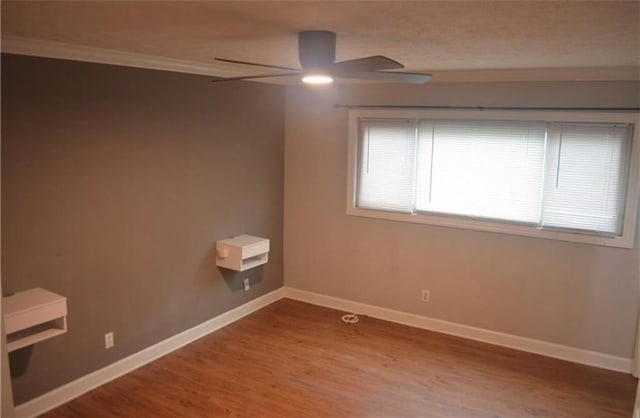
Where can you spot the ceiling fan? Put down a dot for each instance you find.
(317, 55)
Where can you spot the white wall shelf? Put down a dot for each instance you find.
(242, 252)
(32, 316)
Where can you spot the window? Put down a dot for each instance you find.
(551, 175)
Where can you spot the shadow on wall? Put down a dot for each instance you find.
(207, 268)
(19, 361)
(235, 279)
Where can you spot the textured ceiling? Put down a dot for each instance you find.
(425, 36)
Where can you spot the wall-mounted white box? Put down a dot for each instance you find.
(32, 316)
(242, 252)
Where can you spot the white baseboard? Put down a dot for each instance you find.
(563, 352)
(84, 384)
(91, 381)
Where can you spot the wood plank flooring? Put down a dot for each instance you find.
(292, 359)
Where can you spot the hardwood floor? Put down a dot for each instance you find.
(296, 360)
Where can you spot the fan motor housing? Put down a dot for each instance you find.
(316, 49)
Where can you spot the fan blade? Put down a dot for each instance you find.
(251, 77)
(255, 64)
(366, 64)
(409, 78)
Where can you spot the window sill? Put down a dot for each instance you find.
(625, 241)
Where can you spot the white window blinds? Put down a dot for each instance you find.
(570, 176)
(387, 161)
(585, 177)
(488, 169)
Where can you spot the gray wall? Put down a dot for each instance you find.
(6, 410)
(6, 393)
(116, 184)
(578, 295)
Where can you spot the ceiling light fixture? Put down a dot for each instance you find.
(317, 79)
(317, 56)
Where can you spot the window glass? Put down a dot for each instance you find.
(585, 177)
(488, 169)
(386, 169)
(549, 175)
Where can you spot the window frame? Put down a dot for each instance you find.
(626, 240)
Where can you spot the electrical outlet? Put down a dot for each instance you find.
(247, 285)
(108, 340)
(425, 295)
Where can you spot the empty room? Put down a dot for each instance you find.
(320, 209)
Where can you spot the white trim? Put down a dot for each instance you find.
(633, 189)
(563, 352)
(71, 390)
(74, 52)
(621, 73)
(60, 50)
(635, 363)
(635, 367)
(91, 381)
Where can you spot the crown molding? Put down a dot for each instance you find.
(74, 52)
(628, 73)
(60, 50)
